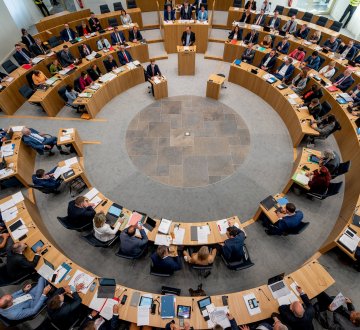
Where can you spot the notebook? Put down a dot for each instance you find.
(269, 202)
(167, 304)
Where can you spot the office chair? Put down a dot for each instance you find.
(5, 280)
(13, 323)
(9, 66)
(280, 9)
(26, 92)
(112, 21)
(307, 17)
(297, 230)
(77, 85)
(118, 6)
(342, 169)
(237, 3)
(131, 4)
(92, 240)
(64, 222)
(333, 189)
(54, 41)
(322, 21)
(156, 272)
(325, 108)
(292, 12)
(61, 92)
(239, 265)
(104, 9)
(29, 79)
(336, 26)
(45, 190)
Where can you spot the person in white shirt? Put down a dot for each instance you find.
(125, 18)
(102, 231)
(328, 71)
(103, 43)
(265, 6)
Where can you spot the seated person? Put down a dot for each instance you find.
(248, 54)
(315, 37)
(302, 32)
(26, 302)
(319, 180)
(40, 142)
(94, 72)
(71, 95)
(117, 37)
(315, 108)
(250, 4)
(203, 257)
(60, 310)
(290, 25)
(274, 22)
(186, 11)
(340, 318)
(135, 35)
(124, 56)
(38, 78)
(103, 231)
(67, 34)
(84, 80)
(55, 67)
(260, 18)
(285, 71)
(5, 239)
(246, 17)
(344, 80)
(267, 41)
(85, 50)
(233, 248)
(169, 14)
(297, 316)
(298, 84)
(277, 325)
(22, 55)
(266, 6)
(347, 51)
(235, 34)
(188, 37)
(84, 30)
(268, 61)
(80, 212)
(324, 126)
(38, 48)
(110, 63)
(103, 43)
(283, 46)
(3, 76)
(94, 23)
(328, 70)
(125, 18)
(314, 92)
(202, 14)
(357, 60)
(331, 160)
(298, 54)
(46, 180)
(17, 264)
(355, 93)
(313, 61)
(131, 245)
(66, 57)
(164, 263)
(252, 36)
(96, 322)
(331, 44)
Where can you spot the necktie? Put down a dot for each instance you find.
(27, 58)
(126, 58)
(341, 80)
(42, 49)
(290, 25)
(251, 38)
(87, 50)
(153, 71)
(248, 52)
(28, 38)
(259, 20)
(69, 34)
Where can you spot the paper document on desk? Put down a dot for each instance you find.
(219, 316)
(86, 95)
(252, 304)
(186, 48)
(97, 303)
(95, 86)
(37, 60)
(51, 80)
(7, 150)
(288, 299)
(61, 170)
(9, 214)
(65, 138)
(350, 242)
(96, 201)
(118, 70)
(17, 128)
(222, 225)
(156, 81)
(61, 272)
(19, 232)
(18, 197)
(9, 79)
(71, 161)
(107, 309)
(131, 66)
(143, 315)
(301, 178)
(46, 272)
(91, 56)
(136, 62)
(292, 101)
(50, 54)
(7, 205)
(68, 131)
(293, 96)
(91, 194)
(6, 172)
(179, 235)
(164, 226)
(202, 234)
(84, 278)
(162, 240)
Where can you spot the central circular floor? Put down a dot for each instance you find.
(187, 143)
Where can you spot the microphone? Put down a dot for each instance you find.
(264, 294)
(192, 305)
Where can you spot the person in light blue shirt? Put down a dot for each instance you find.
(202, 14)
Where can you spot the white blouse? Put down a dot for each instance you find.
(327, 74)
(125, 20)
(106, 233)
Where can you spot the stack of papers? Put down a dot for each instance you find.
(107, 77)
(7, 150)
(51, 80)
(301, 178)
(91, 194)
(17, 128)
(68, 131)
(288, 299)
(203, 233)
(37, 60)
(104, 306)
(50, 54)
(219, 316)
(252, 304)
(95, 86)
(162, 240)
(350, 240)
(131, 66)
(65, 138)
(84, 278)
(223, 225)
(118, 70)
(164, 226)
(91, 56)
(143, 315)
(179, 236)
(60, 170)
(86, 95)
(7, 205)
(157, 80)
(61, 272)
(71, 161)
(9, 79)
(9, 214)
(6, 172)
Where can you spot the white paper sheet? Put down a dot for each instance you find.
(65, 138)
(164, 226)
(179, 236)
(162, 240)
(143, 315)
(107, 310)
(97, 303)
(9, 214)
(46, 272)
(17, 128)
(71, 161)
(18, 197)
(202, 234)
(7, 205)
(222, 226)
(19, 232)
(61, 170)
(81, 277)
(252, 311)
(91, 193)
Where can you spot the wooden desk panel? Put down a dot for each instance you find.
(135, 14)
(160, 89)
(75, 140)
(213, 86)
(186, 61)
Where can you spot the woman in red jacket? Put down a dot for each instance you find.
(319, 180)
(84, 80)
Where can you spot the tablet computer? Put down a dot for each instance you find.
(39, 243)
(204, 302)
(145, 301)
(314, 159)
(183, 312)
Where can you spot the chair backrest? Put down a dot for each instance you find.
(29, 79)
(322, 21)
(58, 55)
(118, 6)
(280, 9)
(63, 222)
(9, 66)
(77, 85)
(292, 12)
(54, 41)
(113, 21)
(325, 108)
(61, 92)
(237, 3)
(44, 190)
(299, 229)
(322, 60)
(104, 9)
(131, 4)
(336, 26)
(79, 29)
(26, 91)
(307, 17)
(156, 272)
(334, 188)
(343, 168)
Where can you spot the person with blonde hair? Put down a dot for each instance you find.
(203, 257)
(315, 37)
(102, 230)
(267, 41)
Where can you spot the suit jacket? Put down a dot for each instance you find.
(303, 34)
(66, 314)
(298, 323)
(82, 32)
(67, 58)
(202, 16)
(37, 50)
(25, 40)
(289, 70)
(131, 245)
(248, 56)
(114, 40)
(239, 35)
(168, 265)
(292, 28)
(21, 59)
(78, 216)
(315, 111)
(132, 35)
(284, 49)
(65, 36)
(254, 38)
(122, 58)
(113, 324)
(169, 17)
(276, 24)
(291, 221)
(253, 7)
(262, 21)
(95, 24)
(357, 59)
(331, 45)
(233, 248)
(149, 71)
(351, 53)
(271, 63)
(82, 52)
(184, 15)
(18, 266)
(101, 46)
(245, 19)
(192, 38)
(47, 183)
(32, 143)
(313, 63)
(346, 83)
(110, 66)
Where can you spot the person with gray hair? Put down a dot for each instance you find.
(278, 325)
(331, 160)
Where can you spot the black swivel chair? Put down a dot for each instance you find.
(333, 189)
(156, 272)
(131, 4)
(325, 108)
(77, 85)
(44, 190)
(9, 66)
(280, 9)
(5, 279)
(104, 9)
(54, 41)
(65, 223)
(239, 265)
(118, 6)
(61, 92)
(13, 323)
(322, 60)
(237, 3)
(342, 169)
(307, 17)
(292, 12)
(297, 230)
(113, 21)
(336, 26)
(29, 79)
(322, 21)
(92, 240)
(26, 91)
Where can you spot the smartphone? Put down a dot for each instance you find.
(123, 300)
(181, 322)
(53, 278)
(104, 202)
(92, 287)
(225, 300)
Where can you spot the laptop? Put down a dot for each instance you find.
(356, 220)
(107, 287)
(346, 97)
(150, 224)
(269, 202)
(113, 214)
(266, 29)
(282, 33)
(351, 63)
(277, 286)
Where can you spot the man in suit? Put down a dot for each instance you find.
(117, 37)
(274, 22)
(188, 37)
(66, 57)
(313, 61)
(124, 56)
(130, 244)
(260, 18)
(347, 51)
(39, 142)
(67, 34)
(135, 35)
(302, 32)
(38, 48)
(21, 55)
(95, 322)
(25, 302)
(64, 313)
(344, 80)
(152, 71)
(331, 44)
(163, 262)
(17, 265)
(80, 212)
(268, 61)
(283, 46)
(85, 50)
(248, 54)
(94, 23)
(296, 316)
(290, 25)
(186, 11)
(285, 71)
(252, 37)
(233, 248)
(46, 180)
(169, 14)
(110, 63)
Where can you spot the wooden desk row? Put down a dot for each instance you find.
(312, 277)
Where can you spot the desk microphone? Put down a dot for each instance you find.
(192, 305)
(264, 294)
(317, 262)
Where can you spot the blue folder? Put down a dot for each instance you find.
(167, 310)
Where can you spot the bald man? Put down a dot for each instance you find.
(296, 315)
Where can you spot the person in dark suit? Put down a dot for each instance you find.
(347, 51)
(297, 316)
(84, 29)
(124, 56)
(285, 71)
(163, 263)
(246, 17)
(248, 54)
(46, 180)
(268, 61)
(197, 5)
(188, 37)
(331, 160)
(250, 4)
(233, 248)
(66, 57)
(236, 33)
(85, 50)
(67, 34)
(283, 46)
(314, 92)
(252, 37)
(94, 72)
(26, 38)
(260, 18)
(110, 63)
(331, 44)
(302, 32)
(314, 108)
(274, 22)
(344, 80)
(61, 312)
(186, 11)
(152, 71)
(94, 23)
(117, 37)
(130, 244)
(313, 61)
(17, 265)
(169, 14)
(38, 48)
(80, 212)
(21, 55)
(91, 320)
(135, 35)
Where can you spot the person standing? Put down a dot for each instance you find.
(350, 9)
(42, 7)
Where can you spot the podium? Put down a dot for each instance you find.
(159, 86)
(214, 85)
(186, 60)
